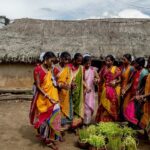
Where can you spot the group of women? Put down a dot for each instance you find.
(64, 94)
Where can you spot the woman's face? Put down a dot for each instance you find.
(125, 60)
(136, 65)
(78, 61)
(64, 60)
(49, 62)
(87, 64)
(108, 62)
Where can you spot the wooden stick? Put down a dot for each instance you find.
(16, 97)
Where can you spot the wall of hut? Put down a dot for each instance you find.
(16, 76)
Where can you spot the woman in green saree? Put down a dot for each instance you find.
(77, 91)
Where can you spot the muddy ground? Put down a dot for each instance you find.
(17, 134)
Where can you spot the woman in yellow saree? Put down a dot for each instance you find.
(63, 76)
(108, 109)
(45, 110)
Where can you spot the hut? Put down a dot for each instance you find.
(22, 41)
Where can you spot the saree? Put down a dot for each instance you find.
(108, 109)
(146, 107)
(126, 76)
(133, 110)
(78, 97)
(64, 76)
(44, 115)
(89, 75)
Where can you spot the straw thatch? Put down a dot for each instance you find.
(24, 39)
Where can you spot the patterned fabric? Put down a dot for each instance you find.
(109, 100)
(133, 111)
(42, 112)
(146, 107)
(127, 74)
(77, 96)
(89, 75)
(64, 76)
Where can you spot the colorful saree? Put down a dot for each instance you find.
(89, 97)
(126, 76)
(109, 101)
(44, 115)
(146, 107)
(77, 96)
(133, 110)
(64, 76)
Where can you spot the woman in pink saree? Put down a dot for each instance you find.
(90, 79)
(109, 100)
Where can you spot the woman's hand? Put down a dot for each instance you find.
(113, 83)
(139, 98)
(88, 90)
(73, 85)
(50, 99)
(123, 92)
(96, 81)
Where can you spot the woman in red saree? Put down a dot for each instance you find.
(45, 110)
(109, 101)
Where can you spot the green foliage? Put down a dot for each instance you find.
(109, 129)
(114, 143)
(83, 135)
(112, 134)
(92, 130)
(128, 131)
(130, 143)
(97, 141)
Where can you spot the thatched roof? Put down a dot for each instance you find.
(24, 39)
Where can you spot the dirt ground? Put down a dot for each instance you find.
(17, 134)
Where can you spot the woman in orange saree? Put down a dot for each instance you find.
(126, 81)
(109, 101)
(63, 76)
(45, 110)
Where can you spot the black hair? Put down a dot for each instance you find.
(65, 55)
(86, 59)
(140, 61)
(77, 55)
(128, 57)
(48, 55)
(111, 57)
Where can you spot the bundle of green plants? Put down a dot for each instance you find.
(92, 130)
(97, 141)
(114, 143)
(128, 131)
(129, 143)
(83, 135)
(109, 129)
